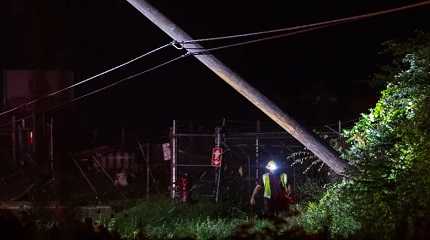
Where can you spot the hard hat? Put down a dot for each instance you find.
(271, 165)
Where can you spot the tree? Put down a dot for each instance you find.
(389, 149)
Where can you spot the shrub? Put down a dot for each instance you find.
(333, 212)
(387, 193)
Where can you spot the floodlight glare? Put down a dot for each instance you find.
(271, 165)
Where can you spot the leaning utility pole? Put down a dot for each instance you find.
(309, 140)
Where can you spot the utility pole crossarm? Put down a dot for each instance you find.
(309, 140)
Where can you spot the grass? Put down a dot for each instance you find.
(194, 228)
(160, 218)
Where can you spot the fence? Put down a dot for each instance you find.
(247, 147)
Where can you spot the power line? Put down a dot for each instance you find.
(318, 24)
(208, 50)
(110, 85)
(83, 81)
(121, 81)
(205, 51)
(306, 28)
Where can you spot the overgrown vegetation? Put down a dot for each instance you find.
(161, 218)
(386, 195)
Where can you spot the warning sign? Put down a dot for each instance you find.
(216, 156)
(167, 152)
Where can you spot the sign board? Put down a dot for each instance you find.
(167, 152)
(216, 156)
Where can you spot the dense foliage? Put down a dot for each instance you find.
(389, 152)
(161, 218)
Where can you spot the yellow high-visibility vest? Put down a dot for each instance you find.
(266, 183)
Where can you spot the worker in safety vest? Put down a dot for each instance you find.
(276, 190)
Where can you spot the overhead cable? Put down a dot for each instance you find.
(31, 102)
(306, 28)
(110, 85)
(318, 24)
(208, 50)
(121, 81)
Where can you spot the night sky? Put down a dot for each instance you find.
(318, 77)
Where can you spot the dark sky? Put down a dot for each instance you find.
(316, 77)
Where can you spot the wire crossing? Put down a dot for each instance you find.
(301, 28)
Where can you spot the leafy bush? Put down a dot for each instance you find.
(310, 190)
(389, 152)
(334, 212)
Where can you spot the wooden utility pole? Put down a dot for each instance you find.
(309, 140)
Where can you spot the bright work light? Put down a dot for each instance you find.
(271, 165)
